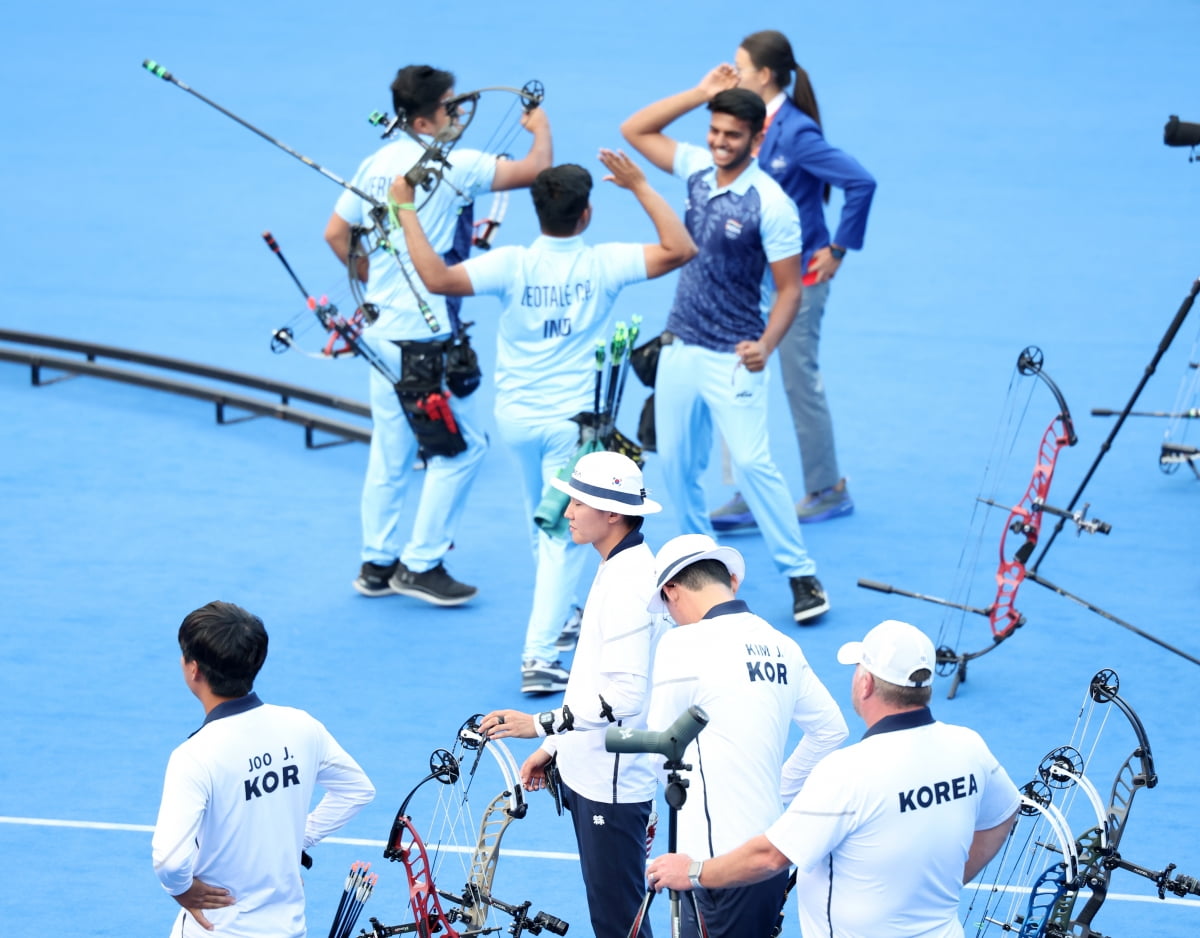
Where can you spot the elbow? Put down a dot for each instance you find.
(629, 132)
(684, 254)
(439, 285)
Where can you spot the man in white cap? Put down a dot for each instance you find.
(753, 682)
(610, 795)
(885, 832)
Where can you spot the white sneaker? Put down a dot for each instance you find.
(543, 677)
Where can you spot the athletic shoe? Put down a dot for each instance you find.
(433, 586)
(569, 637)
(809, 601)
(373, 579)
(825, 505)
(543, 677)
(734, 515)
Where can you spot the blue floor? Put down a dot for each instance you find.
(1025, 197)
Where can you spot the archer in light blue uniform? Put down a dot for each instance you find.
(558, 295)
(408, 313)
(714, 370)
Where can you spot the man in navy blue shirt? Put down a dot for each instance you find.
(713, 364)
(797, 156)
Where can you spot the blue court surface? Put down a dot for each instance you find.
(1025, 197)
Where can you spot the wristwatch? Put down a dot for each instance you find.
(837, 252)
(546, 721)
(694, 873)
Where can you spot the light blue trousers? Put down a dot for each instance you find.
(540, 451)
(390, 477)
(696, 388)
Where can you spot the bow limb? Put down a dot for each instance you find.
(1135, 773)
(1025, 518)
(1048, 832)
(478, 896)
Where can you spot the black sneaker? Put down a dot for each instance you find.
(809, 601)
(569, 637)
(434, 586)
(543, 677)
(373, 579)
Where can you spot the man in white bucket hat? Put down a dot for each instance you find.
(610, 796)
(885, 832)
(753, 682)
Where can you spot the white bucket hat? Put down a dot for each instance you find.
(893, 651)
(685, 550)
(608, 482)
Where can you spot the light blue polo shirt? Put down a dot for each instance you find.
(558, 295)
(471, 172)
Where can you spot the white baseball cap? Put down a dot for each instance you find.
(893, 651)
(608, 482)
(685, 550)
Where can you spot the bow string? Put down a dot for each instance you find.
(451, 868)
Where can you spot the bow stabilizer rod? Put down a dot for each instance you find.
(1163, 345)
(160, 71)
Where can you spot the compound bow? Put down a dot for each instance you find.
(426, 174)
(452, 831)
(1051, 914)
(1024, 521)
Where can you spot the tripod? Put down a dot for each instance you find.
(670, 744)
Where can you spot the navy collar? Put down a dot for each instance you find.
(632, 539)
(909, 719)
(230, 708)
(726, 609)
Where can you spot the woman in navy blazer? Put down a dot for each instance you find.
(796, 154)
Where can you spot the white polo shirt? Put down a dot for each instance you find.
(614, 657)
(235, 813)
(753, 681)
(471, 173)
(881, 830)
(558, 295)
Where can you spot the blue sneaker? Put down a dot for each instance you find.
(826, 505)
(734, 515)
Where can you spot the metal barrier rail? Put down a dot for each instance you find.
(37, 361)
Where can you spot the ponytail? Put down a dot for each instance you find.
(770, 48)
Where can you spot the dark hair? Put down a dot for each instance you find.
(418, 90)
(560, 197)
(770, 48)
(228, 643)
(906, 697)
(742, 104)
(697, 575)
